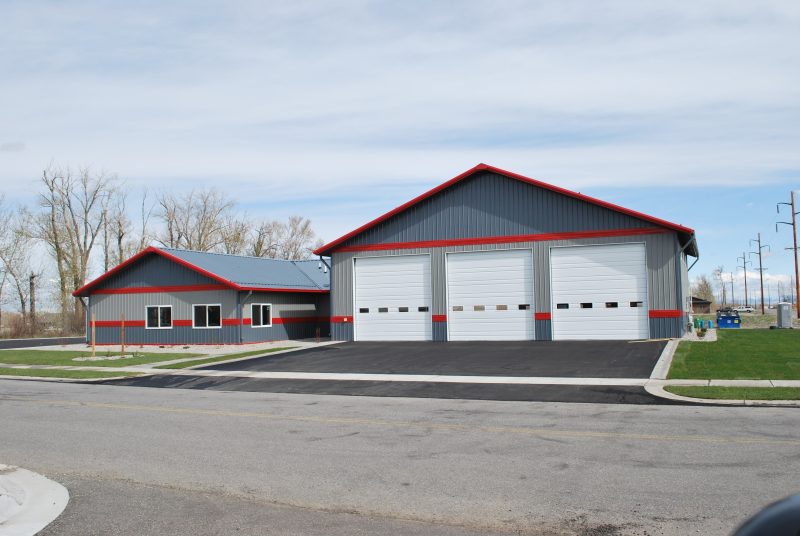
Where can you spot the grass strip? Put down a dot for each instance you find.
(751, 354)
(66, 358)
(196, 362)
(736, 393)
(72, 374)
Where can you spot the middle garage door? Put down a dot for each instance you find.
(490, 295)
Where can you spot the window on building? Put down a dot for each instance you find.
(562, 306)
(207, 316)
(586, 306)
(636, 304)
(612, 305)
(158, 317)
(261, 315)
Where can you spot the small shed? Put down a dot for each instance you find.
(700, 306)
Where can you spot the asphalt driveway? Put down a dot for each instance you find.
(571, 359)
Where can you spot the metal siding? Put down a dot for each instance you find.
(662, 277)
(154, 271)
(488, 204)
(544, 330)
(440, 331)
(287, 305)
(666, 328)
(109, 307)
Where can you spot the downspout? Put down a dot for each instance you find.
(240, 313)
(85, 317)
(679, 286)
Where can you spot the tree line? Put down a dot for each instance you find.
(82, 218)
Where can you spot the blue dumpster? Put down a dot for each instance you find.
(728, 319)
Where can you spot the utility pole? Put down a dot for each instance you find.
(760, 265)
(794, 250)
(733, 299)
(743, 266)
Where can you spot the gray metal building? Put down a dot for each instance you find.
(175, 297)
(491, 254)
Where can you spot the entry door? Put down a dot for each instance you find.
(490, 295)
(599, 292)
(393, 298)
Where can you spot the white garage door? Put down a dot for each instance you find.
(490, 296)
(599, 292)
(393, 298)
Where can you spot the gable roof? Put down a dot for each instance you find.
(236, 272)
(686, 233)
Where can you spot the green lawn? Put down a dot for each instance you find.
(755, 320)
(65, 358)
(752, 354)
(55, 373)
(192, 363)
(737, 393)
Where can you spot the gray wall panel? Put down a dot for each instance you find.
(155, 271)
(487, 204)
(439, 331)
(175, 336)
(544, 330)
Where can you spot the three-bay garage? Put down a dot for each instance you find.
(492, 255)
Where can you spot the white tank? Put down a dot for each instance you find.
(784, 315)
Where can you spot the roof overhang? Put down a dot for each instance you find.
(685, 233)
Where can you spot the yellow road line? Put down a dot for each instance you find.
(516, 430)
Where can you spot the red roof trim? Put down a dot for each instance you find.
(224, 283)
(522, 178)
(636, 231)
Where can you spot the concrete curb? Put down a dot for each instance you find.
(661, 369)
(657, 389)
(28, 501)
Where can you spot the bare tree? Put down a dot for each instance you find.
(719, 272)
(703, 289)
(74, 204)
(235, 235)
(265, 240)
(298, 240)
(196, 220)
(15, 255)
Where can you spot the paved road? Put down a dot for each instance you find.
(596, 394)
(153, 461)
(8, 344)
(572, 359)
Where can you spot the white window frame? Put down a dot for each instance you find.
(171, 318)
(262, 325)
(207, 305)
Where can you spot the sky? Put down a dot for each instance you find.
(340, 111)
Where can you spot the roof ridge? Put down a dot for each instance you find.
(234, 255)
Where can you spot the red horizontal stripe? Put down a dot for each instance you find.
(504, 239)
(246, 321)
(118, 323)
(277, 289)
(230, 321)
(341, 319)
(664, 313)
(182, 323)
(541, 316)
(439, 318)
(174, 288)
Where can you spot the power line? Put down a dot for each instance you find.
(743, 266)
(760, 265)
